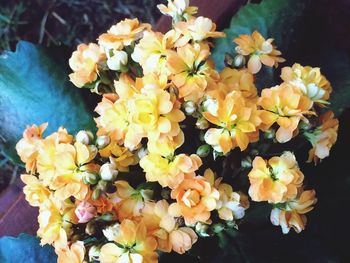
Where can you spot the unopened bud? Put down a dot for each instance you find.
(217, 228)
(203, 150)
(85, 137)
(108, 217)
(118, 60)
(246, 162)
(102, 141)
(228, 60)
(269, 134)
(142, 152)
(202, 124)
(96, 193)
(102, 185)
(90, 228)
(239, 61)
(108, 172)
(189, 107)
(94, 253)
(202, 229)
(90, 178)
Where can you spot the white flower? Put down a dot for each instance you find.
(118, 60)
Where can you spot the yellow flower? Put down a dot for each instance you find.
(113, 119)
(196, 29)
(128, 201)
(27, 148)
(276, 180)
(240, 80)
(84, 63)
(259, 50)
(177, 9)
(121, 156)
(150, 53)
(309, 80)
(192, 73)
(324, 137)
(166, 145)
(73, 253)
(35, 191)
(164, 227)
(195, 199)
(237, 123)
(132, 245)
(70, 162)
(123, 34)
(154, 113)
(169, 172)
(285, 105)
(292, 214)
(229, 205)
(54, 217)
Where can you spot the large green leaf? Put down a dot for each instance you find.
(34, 88)
(25, 248)
(272, 18)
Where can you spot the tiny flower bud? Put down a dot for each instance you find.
(189, 107)
(202, 123)
(90, 228)
(202, 229)
(246, 162)
(269, 134)
(94, 253)
(203, 150)
(142, 152)
(90, 178)
(239, 61)
(85, 212)
(85, 137)
(118, 60)
(102, 185)
(228, 60)
(108, 172)
(217, 228)
(102, 141)
(108, 217)
(96, 193)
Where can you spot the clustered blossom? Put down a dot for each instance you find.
(166, 123)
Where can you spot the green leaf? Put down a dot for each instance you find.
(25, 248)
(34, 89)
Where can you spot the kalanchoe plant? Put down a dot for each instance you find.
(181, 148)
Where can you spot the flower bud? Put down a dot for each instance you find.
(189, 107)
(90, 228)
(118, 60)
(217, 228)
(228, 60)
(269, 134)
(203, 150)
(246, 162)
(142, 152)
(202, 229)
(96, 194)
(102, 185)
(85, 212)
(102, 141)
(94, 253)
(90, 178)
(108, 172)
(85, 137)
(108, 217)
(239, 61)
(202, 124)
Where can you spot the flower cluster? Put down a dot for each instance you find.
(161, 170)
